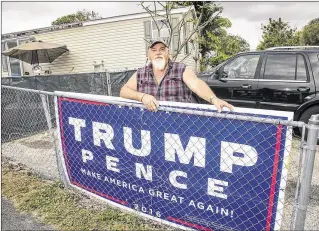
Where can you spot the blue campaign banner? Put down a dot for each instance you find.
(194, 171)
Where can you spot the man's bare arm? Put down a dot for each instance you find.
(198, 86)
(129, 90)
(201, 88)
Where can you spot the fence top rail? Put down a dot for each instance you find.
(197, 110)
(172, 108)
(110, 71)
(28, 90)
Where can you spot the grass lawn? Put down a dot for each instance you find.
(64, 209)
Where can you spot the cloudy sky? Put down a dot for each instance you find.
(246, 17)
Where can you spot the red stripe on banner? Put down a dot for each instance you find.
(99, 193)
(84, 101)
(274, 178)
(64, 150)
(189, 224)
(62, 135)
(60, 99)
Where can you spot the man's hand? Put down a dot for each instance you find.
(219, 104)
(150, 102)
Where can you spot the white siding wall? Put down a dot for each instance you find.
(119, 44)
(4, 74)
(189, 60)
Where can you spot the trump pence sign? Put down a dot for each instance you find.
(188, 170)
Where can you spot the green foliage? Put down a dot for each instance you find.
(310, 33)
(314, 21)
(223, 46)
(207, 21)
(213, 38)
(278, 33)
(204, 10)
(79, 16)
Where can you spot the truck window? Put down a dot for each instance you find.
(285, 67)
(242, 67)
(280, 67)
(301, 69)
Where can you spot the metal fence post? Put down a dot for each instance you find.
(45, 103)
(306, 177)
(108, 82)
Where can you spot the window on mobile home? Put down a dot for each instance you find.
(14, 64)
(160, 28)
(4, 62)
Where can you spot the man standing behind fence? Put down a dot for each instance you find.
(165, 80)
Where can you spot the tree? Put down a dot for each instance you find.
(216, 26)
(223, 47)
(79, 16)
(310, 33)
(215, 44)
(206, 13)
(278, 33)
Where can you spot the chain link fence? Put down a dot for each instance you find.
(25, 135)
(98, 83)
(31, 107)
(30, 135)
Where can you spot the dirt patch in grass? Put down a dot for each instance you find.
(43, 144)
(62, 208)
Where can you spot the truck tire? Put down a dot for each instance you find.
(306, 116)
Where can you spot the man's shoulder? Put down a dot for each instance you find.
(178, 64)
(141, 70)
(144, 68)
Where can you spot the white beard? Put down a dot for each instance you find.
(158, 64)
